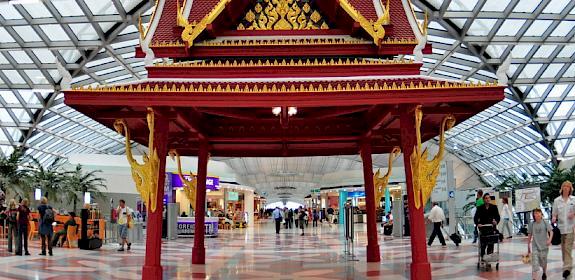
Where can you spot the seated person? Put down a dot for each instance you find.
(63, 233)
(388, 225)
(183, 214)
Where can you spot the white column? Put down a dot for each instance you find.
(249, 207)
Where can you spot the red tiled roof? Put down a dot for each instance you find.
(200, 8)
(365, 7)
(399, 21)
(165, 30)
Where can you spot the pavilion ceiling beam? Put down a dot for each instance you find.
(193, 121)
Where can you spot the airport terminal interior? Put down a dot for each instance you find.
(312, 139)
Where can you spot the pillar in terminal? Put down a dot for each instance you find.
(420, 267)
(199, 251)
(341, 205)
(150, 179)
(372, 244)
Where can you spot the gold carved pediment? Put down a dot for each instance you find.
(282, 15)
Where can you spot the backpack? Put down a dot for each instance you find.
(48, 216)
(556, 240)
(12, 217)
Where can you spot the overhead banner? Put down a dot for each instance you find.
(527, 199)
(440, 190)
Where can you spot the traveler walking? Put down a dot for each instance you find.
(23, 218)
(436, 216)
(315, 217)
(540, 234)
(277, 216)
(302, 217)
(290, 218)
(507, 218)
(285, 215)
(124, 221)
(487, 214)
(11, 214)
(45, 225)
(564, 216)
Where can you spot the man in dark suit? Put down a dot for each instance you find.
(487, 214)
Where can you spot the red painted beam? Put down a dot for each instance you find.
(284, 71)
(299, 99)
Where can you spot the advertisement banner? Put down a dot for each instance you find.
(527, 199)
(440, 191)
(212, 183)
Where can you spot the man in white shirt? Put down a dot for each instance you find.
(564, 215)
(277, 215)
(124, 219)
(436, 216)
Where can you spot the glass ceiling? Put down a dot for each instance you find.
(94, 40)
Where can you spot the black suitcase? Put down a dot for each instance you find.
(455, 238)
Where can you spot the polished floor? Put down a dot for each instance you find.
(261, 254)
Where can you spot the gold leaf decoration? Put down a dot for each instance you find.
(423, 170)
(282, 15)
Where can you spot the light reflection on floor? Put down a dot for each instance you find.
(261, 254)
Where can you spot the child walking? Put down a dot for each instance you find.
(539, 239)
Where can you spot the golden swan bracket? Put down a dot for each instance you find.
(193, 30)
(380, 183)
(375, 29)
(190, 187)
(424, 171)
(146, 174)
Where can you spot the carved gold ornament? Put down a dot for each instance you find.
(282, 87)
(374, 29)
(194, 29)
(380, 183)
(424, 172)
(145, 175)
(282, 15)
(190, 187)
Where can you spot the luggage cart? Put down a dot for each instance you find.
(488, 236)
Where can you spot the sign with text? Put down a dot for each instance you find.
(212, 183)
(527, 199)
(186, 228)
(440, 190)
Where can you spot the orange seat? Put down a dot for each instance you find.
(72, 236)
(32, 230)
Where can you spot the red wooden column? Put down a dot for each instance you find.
(152, 269)
(199, 251)
(420, 268)
(372, 244)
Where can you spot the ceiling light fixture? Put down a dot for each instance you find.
(292, 111)
(276, 111)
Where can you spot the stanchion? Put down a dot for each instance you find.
(349, 233)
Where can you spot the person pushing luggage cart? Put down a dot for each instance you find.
(486, 218)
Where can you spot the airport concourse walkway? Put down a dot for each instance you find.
(261, 254)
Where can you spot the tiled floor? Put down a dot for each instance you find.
(261, 254)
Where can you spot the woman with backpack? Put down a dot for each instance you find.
(45, 225)
(11, 214)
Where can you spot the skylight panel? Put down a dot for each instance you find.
(552, 70)
(481, 27)
(510, 27)
(27, 33)
(44, 55)
(545, 51)
(37, 10)
(84, 31)
(538, 27)
(69, 8)
(496, 51)
(526, 6)
(530, 71)
(20, 56)
(71, 56)
(563, 109)
(570, 73)
(462, 5)
(36, 76)
(495, 5)
(54, 32)
(567, 51)
(568, 128)
(14, 77)
(556, 6)
(9, 12)
(557, 91)
(5, 36)
(98, 7)
(521, 50)
(563, 29)
(545, 109)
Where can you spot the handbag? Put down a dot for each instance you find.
(556, 235)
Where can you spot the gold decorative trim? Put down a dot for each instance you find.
(285, 63)
(424, 171)
(144, 175)
(284, 87)
(374, 29)
(282, 15)
(380, 183)
(190, 187)
(282, 42)
(193, 30)
(165, 44)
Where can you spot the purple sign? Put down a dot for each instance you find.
(212, 183)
